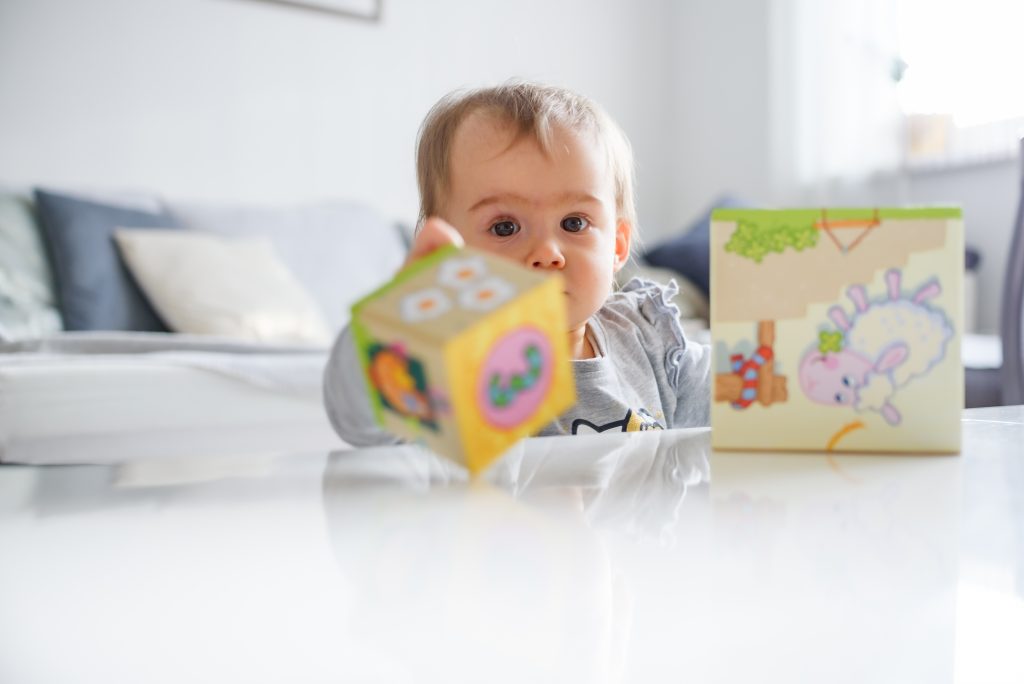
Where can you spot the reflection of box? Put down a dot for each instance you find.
(837, 329)
(466, 352)
(853, 558)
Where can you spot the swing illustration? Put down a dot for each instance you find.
(827, 226)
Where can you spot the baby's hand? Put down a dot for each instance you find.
(434, 234)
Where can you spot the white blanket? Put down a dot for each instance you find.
(106, 397)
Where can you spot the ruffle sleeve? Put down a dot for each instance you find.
(663, 332)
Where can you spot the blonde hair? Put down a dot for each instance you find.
(530, 109)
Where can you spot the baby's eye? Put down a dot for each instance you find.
(574, 224)
(840, 398)
(848, 380)
(504, 228)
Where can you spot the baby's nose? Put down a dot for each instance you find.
(546, 255)
(553, 262)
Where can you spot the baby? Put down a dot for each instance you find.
(543, 176)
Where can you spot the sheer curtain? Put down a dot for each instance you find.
(835, 107)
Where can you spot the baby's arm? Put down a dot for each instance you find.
(690, 369)
(686, 362)
(346, 397)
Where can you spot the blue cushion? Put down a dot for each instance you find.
(95, 289)
(689, 253)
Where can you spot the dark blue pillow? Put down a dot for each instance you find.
(95, 289)
(689, 254)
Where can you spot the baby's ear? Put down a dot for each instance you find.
(623, 239)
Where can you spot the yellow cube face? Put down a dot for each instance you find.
(510, 374)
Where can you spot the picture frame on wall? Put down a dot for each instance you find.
(365, 10)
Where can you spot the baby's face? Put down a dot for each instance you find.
(548, 212)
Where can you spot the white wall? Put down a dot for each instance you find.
(720, 121)
(245, 100)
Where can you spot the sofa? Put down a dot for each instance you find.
(134, 327)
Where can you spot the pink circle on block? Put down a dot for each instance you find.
(508, 358)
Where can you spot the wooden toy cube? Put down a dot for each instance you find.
(467, 353)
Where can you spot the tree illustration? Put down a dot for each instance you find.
(755, 239)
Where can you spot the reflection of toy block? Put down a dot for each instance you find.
(467, 353)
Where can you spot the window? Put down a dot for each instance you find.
(871, 87)
(962, 82)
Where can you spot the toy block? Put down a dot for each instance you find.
(466, 352)
(837, 329)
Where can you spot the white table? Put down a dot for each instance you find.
(638, 558)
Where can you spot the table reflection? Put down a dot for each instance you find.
(631, 481)
(511, 562)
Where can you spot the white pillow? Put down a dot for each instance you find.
(208, 285)
(339, 251)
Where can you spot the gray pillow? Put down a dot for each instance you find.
(96, 291)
